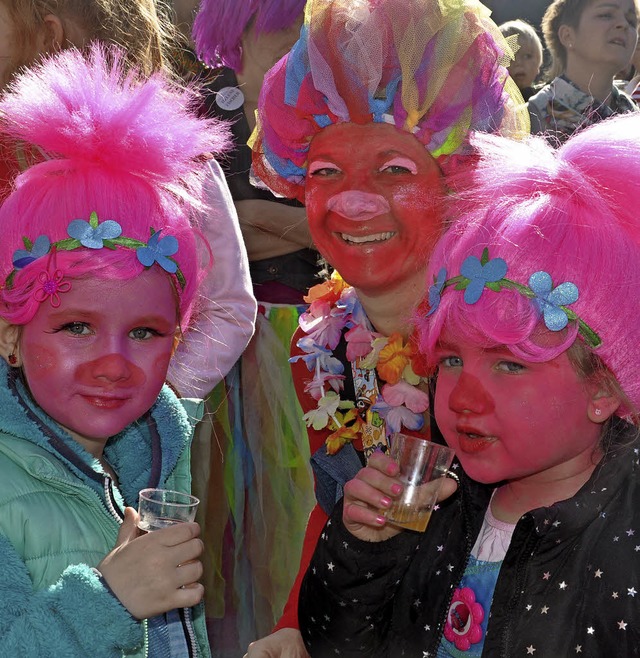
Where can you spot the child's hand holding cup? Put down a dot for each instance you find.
(422, 465)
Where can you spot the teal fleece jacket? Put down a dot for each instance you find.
(60, 515)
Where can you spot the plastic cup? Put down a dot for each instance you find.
(159, 508)
(422, 464)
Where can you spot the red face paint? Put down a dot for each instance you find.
(97, 362)
(509, 419)
(371, 196)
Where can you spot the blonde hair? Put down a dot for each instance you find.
(141, 27)
(523, 31)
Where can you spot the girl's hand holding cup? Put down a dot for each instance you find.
(155, 572)
(387, 489)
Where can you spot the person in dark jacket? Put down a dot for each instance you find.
(530, 325)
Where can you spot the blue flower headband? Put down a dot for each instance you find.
(98, 235)
(476, 274)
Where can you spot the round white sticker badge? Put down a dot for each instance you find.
(229, 99)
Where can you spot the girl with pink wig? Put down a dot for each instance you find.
(530, 328)
(30, 29)
(101, 268)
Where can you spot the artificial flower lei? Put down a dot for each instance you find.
(476, 274)
(335, 310)
(97, 235)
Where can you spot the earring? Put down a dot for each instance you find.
(13, 359)
(597, 412)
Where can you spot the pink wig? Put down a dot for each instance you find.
(569, 213)
(129, 151)
(220, 24)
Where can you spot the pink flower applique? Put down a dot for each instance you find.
(464, 619)
(52, 285)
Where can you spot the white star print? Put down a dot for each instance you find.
(556, 524)
(440, 548)
(614, 595)
(616, 538)
(579, 648)
(529, 606)
(331, 566)
(563, 585)
(637, 548)
(427, 628)
(631, 532)
(544, 610)
(622, 625)
(531, 650)
(368, 575)
(546, 575)
(450, 567)
(591, 630)
(632, 591)
(598, 573)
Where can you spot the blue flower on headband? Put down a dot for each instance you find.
(22, 257)
(480, 273)
(157, 250)
(550, 300)
(435, 291)
(93, 234)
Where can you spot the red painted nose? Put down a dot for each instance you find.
(358, 206)
(469, 396)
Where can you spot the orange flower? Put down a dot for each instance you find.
(328, 291)
(393, 359)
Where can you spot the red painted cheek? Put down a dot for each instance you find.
(41, 360)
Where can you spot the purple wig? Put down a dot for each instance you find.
(129, 151)
(220, 24)
(568, 213)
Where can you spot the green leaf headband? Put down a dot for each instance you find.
(98, 235)
(478, 274)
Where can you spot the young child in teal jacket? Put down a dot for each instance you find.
(100, 272)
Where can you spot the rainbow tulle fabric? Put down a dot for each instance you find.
(434, 68)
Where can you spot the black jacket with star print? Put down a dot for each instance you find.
(569, 584)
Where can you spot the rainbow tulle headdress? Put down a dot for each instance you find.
(435, 68)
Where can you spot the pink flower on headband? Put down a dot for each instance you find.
(51, 286)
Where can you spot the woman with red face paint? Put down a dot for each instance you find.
(530, 327)
(100, 268)
(362, 121)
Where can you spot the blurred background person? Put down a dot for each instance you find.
(525, 67)
(590, 41)
(255, 522)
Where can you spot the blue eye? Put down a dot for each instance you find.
(451, 362)
(144, 333)
(510, 366)
(74, 328)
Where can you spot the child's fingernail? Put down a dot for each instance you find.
(385, 502)
(396, 489)
(380, 520)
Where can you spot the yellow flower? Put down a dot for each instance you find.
(393, 359)
(344, 434)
